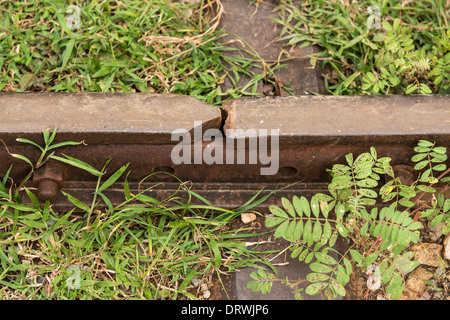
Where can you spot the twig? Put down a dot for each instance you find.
(416, 292)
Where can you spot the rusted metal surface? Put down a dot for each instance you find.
(252, 30)
(314, 134)
(290, 269)
(48, 180)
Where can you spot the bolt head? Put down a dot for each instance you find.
(47, 190)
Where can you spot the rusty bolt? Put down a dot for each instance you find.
(49, 181)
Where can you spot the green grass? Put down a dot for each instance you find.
(351, 50)
(107, 46)
(142, 248)
(175, 47)
(140, 252)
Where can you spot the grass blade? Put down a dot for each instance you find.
(79, 164)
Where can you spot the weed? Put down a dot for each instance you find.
(129, 46)
(378, 237)
(404, 50)
(142, 248)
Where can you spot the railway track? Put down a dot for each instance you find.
(282, 143)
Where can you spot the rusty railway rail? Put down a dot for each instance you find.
(313, 134)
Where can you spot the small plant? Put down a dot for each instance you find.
(401, 67)
(378, 237)
(141, 248)
(407, 52)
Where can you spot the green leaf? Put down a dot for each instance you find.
(424, 89)
(79, 164)
(307, 229)
(317, 231)
(440, 150)
(426, 188)
(421, 165)
(317, 277)
(356, 256)
(367, 183)
(63, 144)
(309, 257)
(440, 167)
(107, 201)
(77, 202)
(406, 203)
(341, 275)
(297, 205)
(421, 149)
(348, 266)
(26, 80)
(341, 229)
(34, 224)
(333, 239)
(305, 206)
(446, 206)
(341, 182)
(273, 221)
(277, 211)
(350, 79)
(368, 193)
(371, 77)
(320, 267)
(289, 234)
(425, 143)
(324, 258)
(339, 210)
(298, 230)
(418, 157)
(394, 233)
(302, 255)
(386, 25)
(281, 230)
(326, 233)
(216, 252)
(315, 288)
(338, 288)
(409, 266)
(67, 53)
(61, 220)
(30, 142)
(415, 226)
(315, 208)
(349, 158)
(288, 206)
(114, 177)
(18, 156)
(32, 197)
(370, 259)
(411, 88)
(436, 220)
(396, 23)
(364, 229)
(395, 285)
